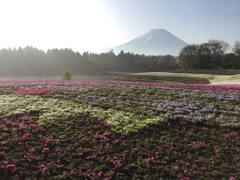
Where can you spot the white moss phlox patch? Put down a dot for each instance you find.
(52, 110)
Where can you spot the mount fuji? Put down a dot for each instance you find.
(154, 42)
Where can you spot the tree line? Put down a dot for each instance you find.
(30, 61)
(211, 55)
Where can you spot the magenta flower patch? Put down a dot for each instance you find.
(32, 91)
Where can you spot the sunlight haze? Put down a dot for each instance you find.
(91, 25)
(80, 25)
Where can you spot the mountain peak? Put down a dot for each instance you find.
(154, 42)
(157, 30)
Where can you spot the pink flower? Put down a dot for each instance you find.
(58, 149)
(106, 146)
(20, 127)
(105, 139)
(115, 141)
(96, 135)
(80, 120)
(124, 134)
(216, 151)
(42, 168)
(107, 133)
(185, 171)
(186, 163)
(106, 124)
(100, 174)
(13, 166)
(232, 178)
(5, 162)
(25, 136)
(7, 122)
(176, 168)
(99, 119)
(92, 157)
(151, 159)
(45, 150)
(2, 126)
(33, 127)
(233, 133)
(205, 128)
(47, 140)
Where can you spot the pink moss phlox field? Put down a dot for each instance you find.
(185, 146)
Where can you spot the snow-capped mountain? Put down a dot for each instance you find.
(154, 42)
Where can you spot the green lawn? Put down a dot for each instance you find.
(190, 78)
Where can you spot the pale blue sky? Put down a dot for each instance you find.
(194, 21)
(94, 24)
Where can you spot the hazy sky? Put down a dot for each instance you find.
(94, 24)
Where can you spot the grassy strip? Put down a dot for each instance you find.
(188, 78)
(144, 77)
(214, 72)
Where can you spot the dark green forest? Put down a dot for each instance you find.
(30, 61)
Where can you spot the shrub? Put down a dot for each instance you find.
(67, 76)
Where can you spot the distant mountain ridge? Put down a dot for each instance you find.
(154, 42)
